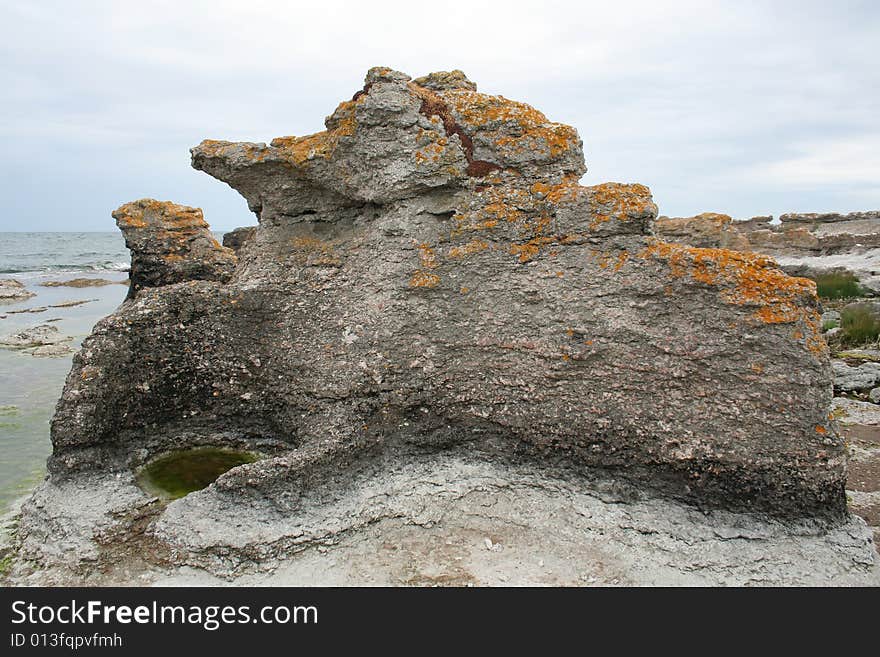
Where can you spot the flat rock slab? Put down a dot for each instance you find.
(445, 520)
(83, 282)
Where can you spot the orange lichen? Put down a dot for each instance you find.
(620, 202)
(821, 430)
(299, 150)
(748, 279)
(474, 246)
(530, 249)
(494, 114)
(315, 252)
(423, 277)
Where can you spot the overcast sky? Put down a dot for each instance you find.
(744, 108)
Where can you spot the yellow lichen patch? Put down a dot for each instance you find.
(423, 277)
(431, 153)
(299, 150)
(474, 246)
(757, 368)
(618, 201)
(565, 191)
(465, 290)
(610, 259)
(315, 252)
(496, 114)
(748, 279)
(530, 249)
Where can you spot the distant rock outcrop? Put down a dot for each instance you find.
(429, 289)
(803, 244)
(11, 290)
(170, 243)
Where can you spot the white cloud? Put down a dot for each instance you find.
(845, 161)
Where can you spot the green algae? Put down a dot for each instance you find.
(178, 473)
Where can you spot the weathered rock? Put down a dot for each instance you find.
(169, 244)
(830, 316)
(37, 336)
(430, 287)
(805, 244)
(236, 239)
(707, 230)
(12, 290)
(81, 282)
(855, 379)
(874, 395)
(51, 351)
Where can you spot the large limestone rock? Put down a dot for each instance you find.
(170, 243)
(430, 290)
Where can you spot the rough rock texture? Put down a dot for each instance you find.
(429, 289)
(12, 290)
(170, 243)
(236, 239)
(707, 230)
(795, 234)
(803, 244)
(81, 282)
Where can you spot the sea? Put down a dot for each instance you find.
(30, 386)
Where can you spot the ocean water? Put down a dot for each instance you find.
(48, 253)
(30, 386)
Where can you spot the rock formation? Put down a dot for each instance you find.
(803, 244)
(170, 243)
(429, 285)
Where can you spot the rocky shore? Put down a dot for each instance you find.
(441, 360)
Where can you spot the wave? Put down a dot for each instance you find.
(92, 266)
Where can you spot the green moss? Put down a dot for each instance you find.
(838, 285)
(179, 473)
(860, 326)
(5, 565)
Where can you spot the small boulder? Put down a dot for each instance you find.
(11, 290)
(855, 379)
(37, 336)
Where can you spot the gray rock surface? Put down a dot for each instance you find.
(430, 290)
(855, 379)
(236, 239)
(36, 336)
(12, 290)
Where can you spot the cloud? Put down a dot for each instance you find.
(715, 105)
(849, 161)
